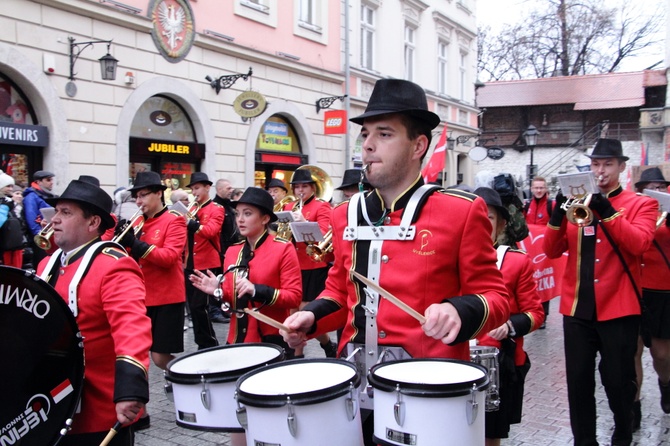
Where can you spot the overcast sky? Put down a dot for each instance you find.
(498, 13)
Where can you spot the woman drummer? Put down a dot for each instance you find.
(526, 315)
(264, 273)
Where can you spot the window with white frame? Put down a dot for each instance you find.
(261, 11)
(409, 52)
(258, 5)
(463, 80)
(309, 15)
(367, 36)
(442, 50)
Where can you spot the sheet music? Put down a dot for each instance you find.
(179, 207)
(578, 184)
(662, 198)
(284, 216)
(48, 213)
(308, 232)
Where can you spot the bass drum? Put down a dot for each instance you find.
(43, 371)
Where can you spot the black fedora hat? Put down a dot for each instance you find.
(398, 96)
(199, 177)
(260, 198)
(144, 180)
(89, 179)
(651, 175)
(276, 182)
(608, 148)
(492, 198)
(351, 177)
(302, 176)
(91, 195)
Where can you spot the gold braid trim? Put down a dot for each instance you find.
(487, 311)
(133, 361)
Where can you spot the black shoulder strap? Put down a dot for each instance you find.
(662, 253)
(623, 263)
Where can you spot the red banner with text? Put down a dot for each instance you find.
(548, 272)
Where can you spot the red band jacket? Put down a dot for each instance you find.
(160, 257)
(451, 259)
(274, 270)
(595, 284)
(525, 304)
(316, 210)
(116, 330)
(655, 269)
(206, 245)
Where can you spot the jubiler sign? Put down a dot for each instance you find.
(141, 146)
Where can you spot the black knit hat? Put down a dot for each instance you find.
(398, 96)
(608, 148)
(260, 198)
(651, 175)
(351, 177)
(492, 198)
(302, 176)
(199, 177)
(276, 182)
(91, 195)
(144, 180)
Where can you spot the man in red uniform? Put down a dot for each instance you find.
(446, 271)
(656, 296)
(110, 312)
(308, 207)
(599, 296)
(203, 253)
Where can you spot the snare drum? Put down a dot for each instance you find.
(43, 372)
(488, 357)
(429, 402)
(301, 402)
(202, 384)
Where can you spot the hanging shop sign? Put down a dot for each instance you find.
(173, 28)
(495, 153)
(24, 134)
(249, 104)
(335, 122)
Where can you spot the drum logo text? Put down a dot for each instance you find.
(24, 299)
(26, 421)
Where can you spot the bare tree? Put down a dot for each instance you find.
(570, 37)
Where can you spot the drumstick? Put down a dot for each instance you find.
(267, 319)
(390, 297)
(113, 431)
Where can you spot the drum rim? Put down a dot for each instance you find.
(222, 376)
(79, 351)
(299, 398)
(428, 390)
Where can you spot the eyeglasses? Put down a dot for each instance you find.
(142, 195)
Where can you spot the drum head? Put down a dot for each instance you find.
(306, 381)
(221, 364)
(429, 377)
(43, 371)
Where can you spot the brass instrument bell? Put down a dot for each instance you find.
(43, 238)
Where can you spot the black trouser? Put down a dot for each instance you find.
(616, 341)
(124, 437)
(203, 331)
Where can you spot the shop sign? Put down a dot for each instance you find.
(141, 146)
(335, 122)
(24, 134)
(274, 142)
(249, 104)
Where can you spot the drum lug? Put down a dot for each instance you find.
(472, 406)
(68, 426)
(350, 403)
(399, 407)
(370, 391)
(167, 387)
(241, 414)
(204, 394)
(291, 420)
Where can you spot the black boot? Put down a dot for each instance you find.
(330, 348)
(637, 415)
(665, 396)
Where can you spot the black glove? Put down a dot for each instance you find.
(558, 213)
(193, 226)
(263, 294)
(119, 226)
(128, 239)
(602, 206)
(139, 248)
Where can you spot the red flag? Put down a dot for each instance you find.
(644, 156)
(437, 160)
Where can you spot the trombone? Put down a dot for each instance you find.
(43, 238)
(136, 222)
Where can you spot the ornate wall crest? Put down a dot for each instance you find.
(173, 28)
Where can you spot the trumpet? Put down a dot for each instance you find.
(192, 210)
(136, 222)
(578, 211)
(317, 251)
(43, 238)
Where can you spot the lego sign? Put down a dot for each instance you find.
(335, 122)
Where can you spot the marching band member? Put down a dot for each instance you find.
(446, 271)
(656, 296)
(265, 275)
(308, 207)
(599, 293)
(277, 189)
(203, 252)
(350, 182)
(110, 312)
(526, 315)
